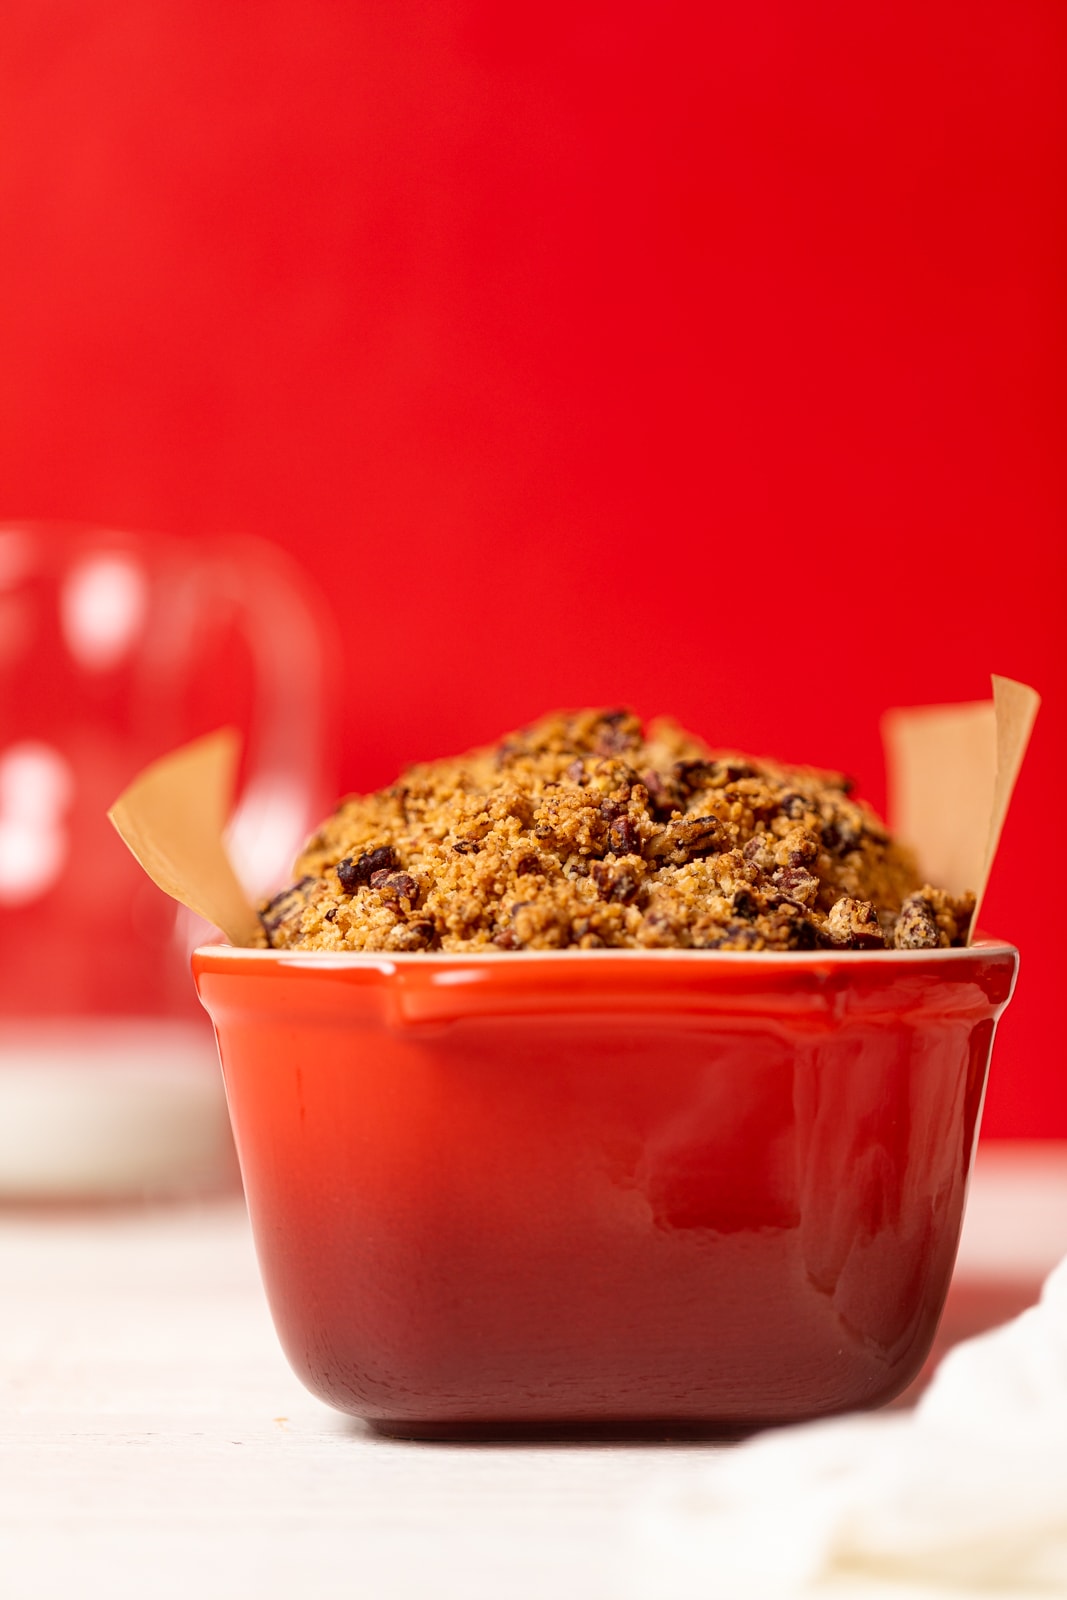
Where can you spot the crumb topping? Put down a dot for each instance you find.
(588, 831)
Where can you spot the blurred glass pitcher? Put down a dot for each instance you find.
(114, 649)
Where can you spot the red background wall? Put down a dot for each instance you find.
(709, 358)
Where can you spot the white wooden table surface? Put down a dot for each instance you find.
(154, 1443)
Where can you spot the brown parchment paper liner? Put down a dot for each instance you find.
(952, 770)
(951, 775)
(173, 817)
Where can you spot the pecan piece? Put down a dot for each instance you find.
(617, 732)
(745, 905)
(658, 931)
(624, 838)
(526, 861)
(680, 842)
(840, 836)
(286, 907)
(665, 794)
(355, 874)
(854, 924)
(696, 774)
(398, 890)
(802, 935)
(794, 806)
(620, 887)
(759, 849)
(796, 885)
(916, 927)
(724, 772)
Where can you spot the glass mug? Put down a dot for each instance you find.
(114, 649)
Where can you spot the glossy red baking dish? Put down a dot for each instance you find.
(634, 1188)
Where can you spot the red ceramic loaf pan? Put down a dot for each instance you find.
(523, 1191)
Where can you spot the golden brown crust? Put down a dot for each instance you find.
(587, 831)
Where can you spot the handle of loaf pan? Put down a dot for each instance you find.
(429, 994)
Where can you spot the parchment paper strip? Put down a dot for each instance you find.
(941, 768)
(1016, 707)
(952, 771)
(172, 818)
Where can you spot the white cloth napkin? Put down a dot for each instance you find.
(964, 1495)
